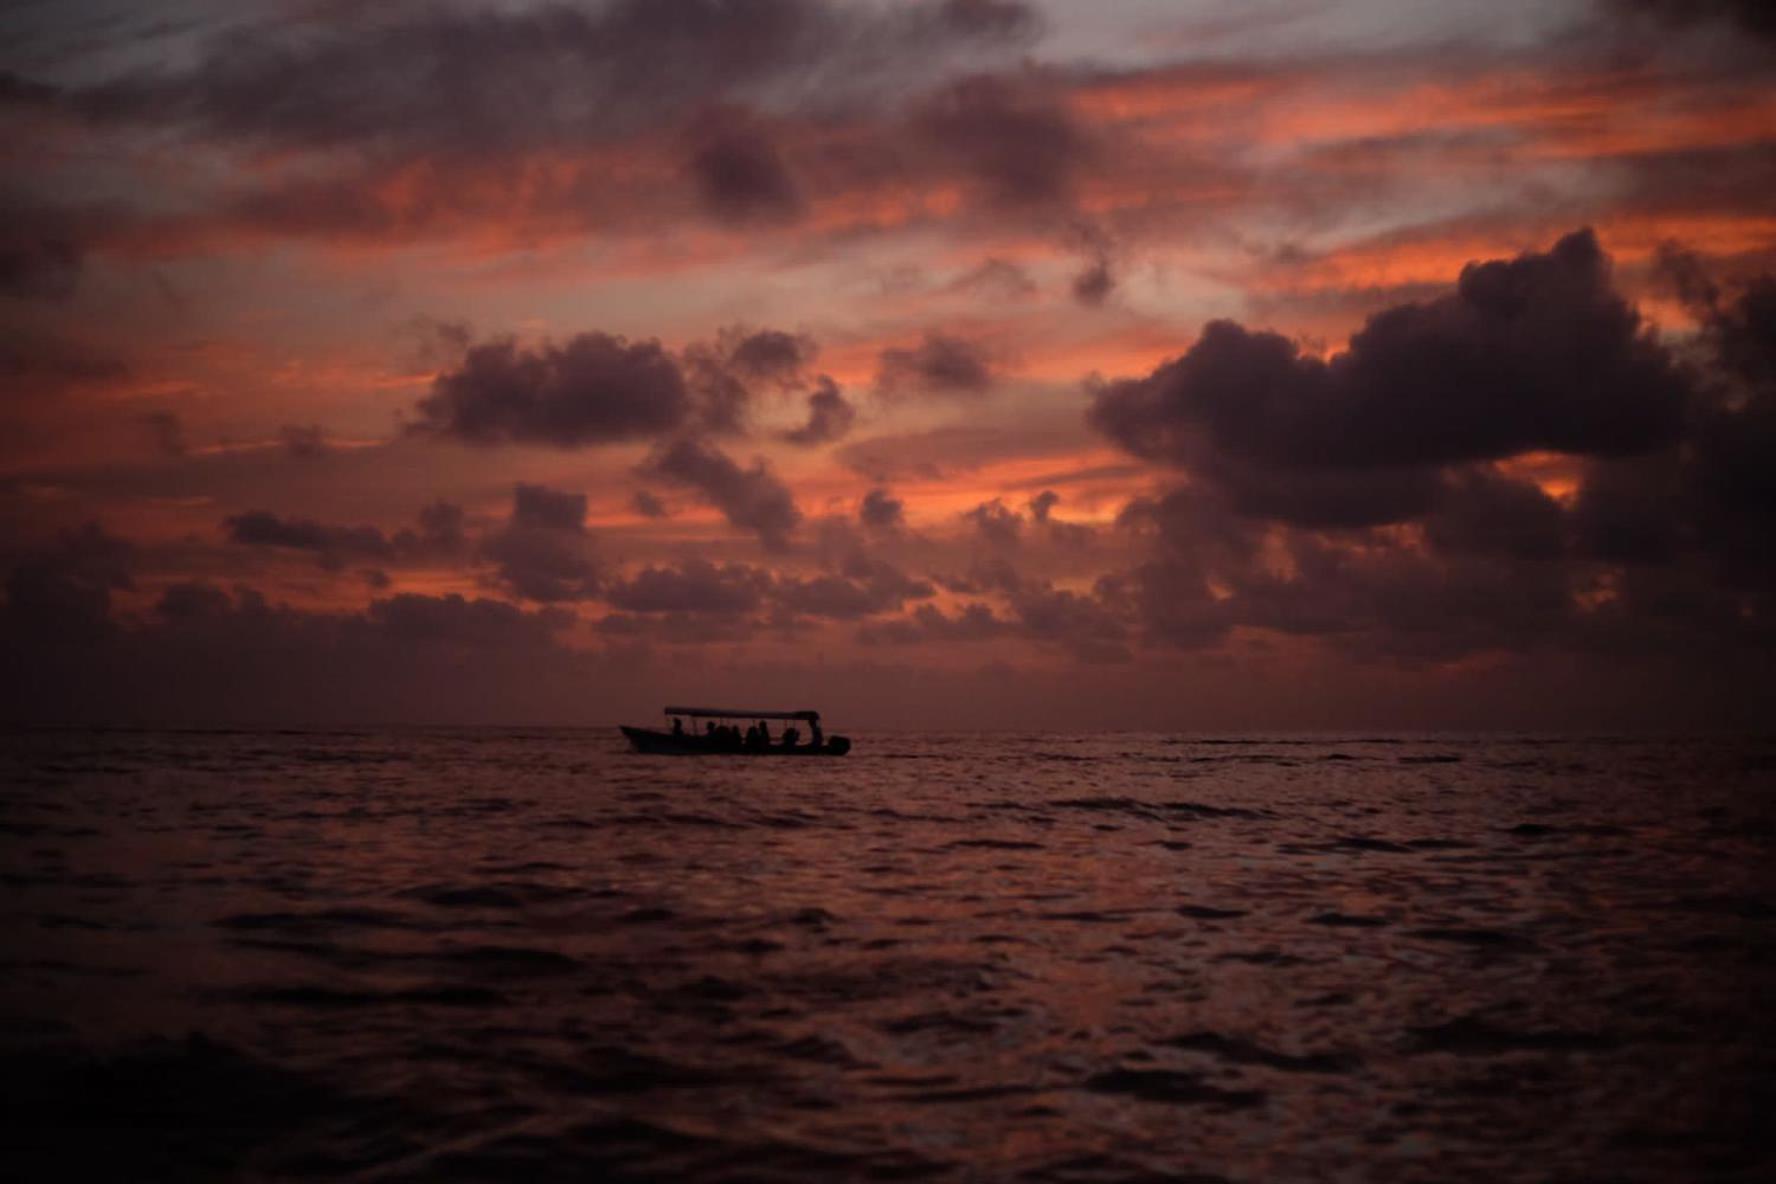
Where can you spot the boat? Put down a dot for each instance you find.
(705, 737)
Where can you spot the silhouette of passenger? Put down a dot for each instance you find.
(764, 734)
(678, 726)
(790, 736)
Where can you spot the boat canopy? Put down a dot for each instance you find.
(724, 713)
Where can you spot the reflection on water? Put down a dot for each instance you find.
(462, 955)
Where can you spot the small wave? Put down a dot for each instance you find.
(319, 919)
(978, 1093)
(1749, 908)
(504, 894)
(1538, 830)
(1473, 1035)
(442, 995)
(1270, 957)
(1245, 1052)
(617, 1069)
(1347, 921)
(511, 960)
(1172, 1087)
(1148, 809)
(1487, 938)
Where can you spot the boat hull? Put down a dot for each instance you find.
(658, 743)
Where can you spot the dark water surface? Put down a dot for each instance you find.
(502, 954)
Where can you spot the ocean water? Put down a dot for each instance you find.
(527, 954)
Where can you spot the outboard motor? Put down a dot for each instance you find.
(838, 745)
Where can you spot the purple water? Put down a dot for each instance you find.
(503, 954)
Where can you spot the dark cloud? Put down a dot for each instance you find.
(1013, 135)
(880, 510)
(548, 509)
(598, 389)
(439, 537)
(303, 442)
(739, 173)
(40, 362)
(595, 389)
(928, 623)
(17, 91)
(542, 565)
(997, 523)
(1685, 274)
(939, 364)
(830, 416)
(1092, 627)
(1752, 16)
(1075, 535)
(429, 79)
(1212, 571)
(167, 431)
(542, 112)
(61, 592)
(441, 527)
(43, 268)
(997, 279)
(752, 499)
(768, 355)
(724, 374)
(996, 19)
(1663, 554)
(863, 587)
(1743, 335)
(1093, 285)
(1480, 512)
(1535, 353)
(193, 600)
(859, 586)
(1323, 498)
(42, 249)
(648, 505)
(206, 655)
(1083, 624)
(332, 545)
(695, 586)
(1631, 512)
(543, 553)
(455, 620)
(1711, 503)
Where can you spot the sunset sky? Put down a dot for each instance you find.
(1189, 364)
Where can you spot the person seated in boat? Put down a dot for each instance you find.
(752, 737)
(790, 736)
(678, 726)
(764, 735)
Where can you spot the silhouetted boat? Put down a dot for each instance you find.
(718, 740)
